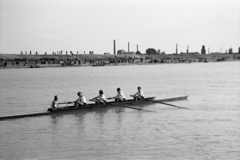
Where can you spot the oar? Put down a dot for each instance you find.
(92, 100)
(65, 102)
(170, 105)
(111, 97)
(132, 108)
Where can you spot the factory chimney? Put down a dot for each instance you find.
(176, 48)
(114, 47)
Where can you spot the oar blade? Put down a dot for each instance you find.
(170, 105)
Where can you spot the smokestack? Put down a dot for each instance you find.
(137, 47)
(128, 48)
(176, 48)
(187, 49)
(114, 47)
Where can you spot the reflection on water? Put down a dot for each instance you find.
(208, 130)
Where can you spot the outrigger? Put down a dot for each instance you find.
(51, 111)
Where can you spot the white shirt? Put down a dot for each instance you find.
(120, 95)
(140, 93)
(54, 104)
(102, 97)
(82, 99)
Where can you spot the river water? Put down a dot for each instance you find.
(208, 130)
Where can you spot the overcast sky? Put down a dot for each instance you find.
(92, 25)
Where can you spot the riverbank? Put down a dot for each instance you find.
(83, 60)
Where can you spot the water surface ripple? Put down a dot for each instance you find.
(208, 130)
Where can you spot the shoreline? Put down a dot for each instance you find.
(59, 66)
(14, 61)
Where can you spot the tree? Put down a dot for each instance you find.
(151, 51)
(138, 52)
(203, 50)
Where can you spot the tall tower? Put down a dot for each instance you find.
(128, 47)
(137, 47)
(114, 47)
(176, 48)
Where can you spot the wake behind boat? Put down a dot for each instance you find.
(92, 106)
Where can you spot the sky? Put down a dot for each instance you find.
(92, 25)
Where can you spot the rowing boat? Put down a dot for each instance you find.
(92, 106)
(111, 103)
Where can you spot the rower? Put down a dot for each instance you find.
(81, 101)
(139, 95)
(54, 102)
(100, 99)
(120, 96)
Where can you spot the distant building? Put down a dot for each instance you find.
(190, 53)
(106, 53)
(124, 52)
(121, 51)
(91, 52)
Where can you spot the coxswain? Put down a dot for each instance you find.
(100, 99)
(139, 95)
(120, 96)
(54, 102)
(81, 101)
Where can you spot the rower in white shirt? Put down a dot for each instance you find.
(54, 102)
(120, 96)
(100, 99)
(81, 101)
(139, 95)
